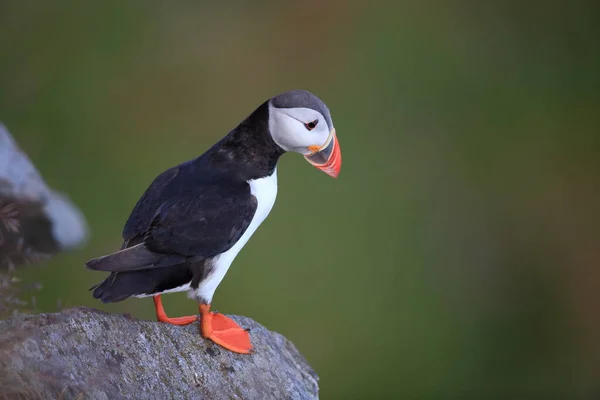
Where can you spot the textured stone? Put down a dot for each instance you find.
(35, 221)
(88, 354)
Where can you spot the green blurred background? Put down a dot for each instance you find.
(458, 254)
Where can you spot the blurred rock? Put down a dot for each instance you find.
(35, 221)
(84, 353)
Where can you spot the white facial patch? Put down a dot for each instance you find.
(289, 132)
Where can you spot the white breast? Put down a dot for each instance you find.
(265, 191)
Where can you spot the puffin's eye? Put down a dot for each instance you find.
(311, 125)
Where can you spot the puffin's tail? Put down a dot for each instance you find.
(138, 271)
(121, 285)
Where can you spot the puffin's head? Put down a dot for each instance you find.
(299, 121)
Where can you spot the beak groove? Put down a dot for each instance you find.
(329, 157)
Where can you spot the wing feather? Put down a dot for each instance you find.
(134, 258)
(204, 224)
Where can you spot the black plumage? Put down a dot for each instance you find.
(190, 214)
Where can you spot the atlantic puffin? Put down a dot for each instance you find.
(192, 221)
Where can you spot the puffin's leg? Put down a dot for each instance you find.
(161, 315)
(224, 331)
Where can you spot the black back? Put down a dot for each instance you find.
(197, 209)
(221, 173)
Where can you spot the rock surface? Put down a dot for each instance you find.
(35, 221)
(83, 353)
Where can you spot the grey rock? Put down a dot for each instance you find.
(35, 221)
(83, 353)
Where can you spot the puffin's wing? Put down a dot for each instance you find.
(205, 224)
(134, 258)
(160, 190)
(186, 228)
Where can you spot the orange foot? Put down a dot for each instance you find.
(224, 331)
(162, 316)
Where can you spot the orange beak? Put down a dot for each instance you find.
(327, 158)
